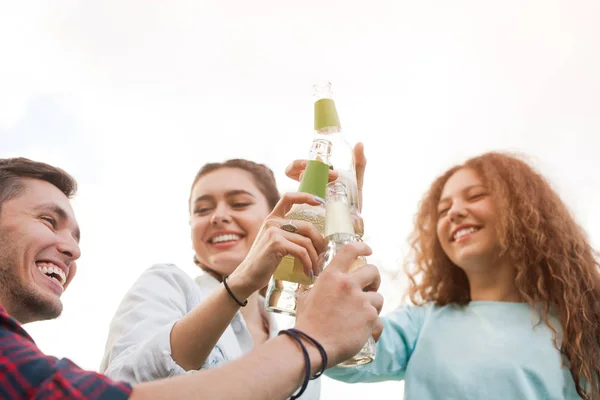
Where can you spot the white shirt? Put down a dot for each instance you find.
(138, 347)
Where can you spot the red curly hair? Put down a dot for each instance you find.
(556, 266)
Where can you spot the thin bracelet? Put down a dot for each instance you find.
(231, 293)
(319, 347)
(306, 362)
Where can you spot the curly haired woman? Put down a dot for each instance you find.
(506, 289)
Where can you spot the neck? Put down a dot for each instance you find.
(20, 316)
(494, 283)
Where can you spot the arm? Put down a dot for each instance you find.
(399, 337)
(336, 312)
(28, 373)
(153, 336)
(271, 371)
(191, 346)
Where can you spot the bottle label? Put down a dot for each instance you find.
(315, 177)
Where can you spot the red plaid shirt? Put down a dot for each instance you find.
(27, 373)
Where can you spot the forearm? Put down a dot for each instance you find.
(195, 335)
(271, 371)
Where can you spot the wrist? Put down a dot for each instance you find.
(313, 354)
(330, 349)
(316, 360)
(316, 352)
(240, 285)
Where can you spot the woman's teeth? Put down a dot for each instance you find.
(225, 238)
(464, 232)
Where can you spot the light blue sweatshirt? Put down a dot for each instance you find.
(485, 351)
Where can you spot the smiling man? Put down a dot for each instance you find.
(39, 245)
(39, 239)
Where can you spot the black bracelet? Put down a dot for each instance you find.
(319, 347)
(306, 362)
(231, 293)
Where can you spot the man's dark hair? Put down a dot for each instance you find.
(14, 170)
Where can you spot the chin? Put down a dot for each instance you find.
(471, 262)
(44, 308)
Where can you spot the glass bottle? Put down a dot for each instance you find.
(339, 231)
(327, 126)
(289, 278)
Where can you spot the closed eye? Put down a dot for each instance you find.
(202, 211)
(443, 212)
(241, 205)
(49, 220)
(477, 196)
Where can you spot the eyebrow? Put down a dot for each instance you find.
(231, 193)
(447, 198)
(62, 214)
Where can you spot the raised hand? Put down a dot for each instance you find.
(301, 240)
(337, 311)
(297, 167)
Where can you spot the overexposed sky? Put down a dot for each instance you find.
(132, 97)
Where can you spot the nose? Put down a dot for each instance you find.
(457, 212)
(220, 215)
(69, 247)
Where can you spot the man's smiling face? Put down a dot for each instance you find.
(39, 244)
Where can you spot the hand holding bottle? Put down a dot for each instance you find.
(337, 311)
(273, 243)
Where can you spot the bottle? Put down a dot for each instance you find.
(289, 278)
(327, 126)
(339, 231)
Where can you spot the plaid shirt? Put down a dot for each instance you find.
(27, 373)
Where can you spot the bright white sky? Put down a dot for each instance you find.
(132, 97)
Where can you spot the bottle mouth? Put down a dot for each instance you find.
(322, 90)
(338, 187)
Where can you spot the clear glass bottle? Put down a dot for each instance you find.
(289, 278)
(327, 126)
(339, 231)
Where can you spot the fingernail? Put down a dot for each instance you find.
(320, 200)
(312, 276)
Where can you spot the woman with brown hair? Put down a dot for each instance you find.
(170, 324)
(506, 289)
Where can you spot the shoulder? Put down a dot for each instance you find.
(168, 273)
(165, 269)
(412, 312)
(12, 334)
(163, 280)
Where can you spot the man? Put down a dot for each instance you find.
(39, 247)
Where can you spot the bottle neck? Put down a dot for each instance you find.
(320, 150)
(314, 179)
(341, 239)
(326, 114)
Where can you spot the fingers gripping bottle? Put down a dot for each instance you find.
(289, 278)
